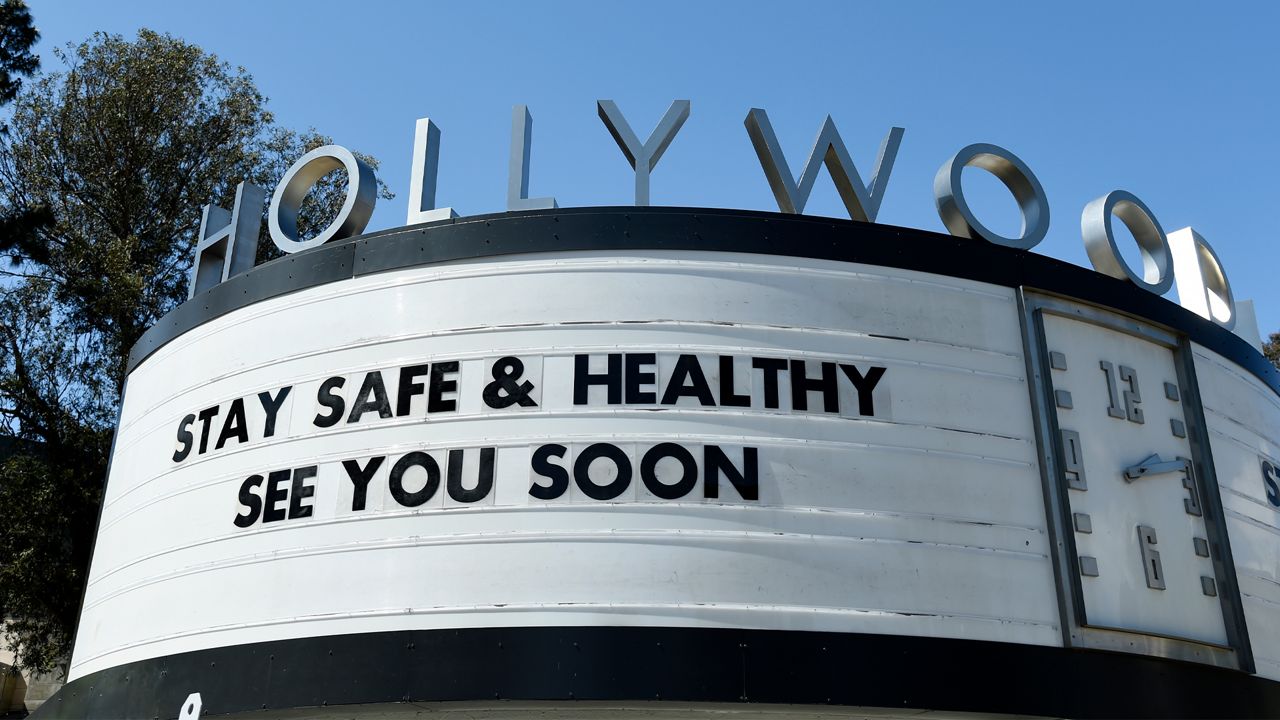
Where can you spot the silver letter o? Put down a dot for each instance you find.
(1100, 241)
(1026, 189)
(362, 193)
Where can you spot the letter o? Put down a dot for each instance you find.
(688, 471)
(362, 193)
(1100, 241)
(582, 471)
(948, 196)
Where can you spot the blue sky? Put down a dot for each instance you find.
(1178, 103)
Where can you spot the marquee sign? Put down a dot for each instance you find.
(688, 455)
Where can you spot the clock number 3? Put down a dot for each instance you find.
(1132, 396)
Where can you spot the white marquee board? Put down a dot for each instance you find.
(902, 495)
(922, 518)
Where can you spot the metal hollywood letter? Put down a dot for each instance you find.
(518, 169)
(643, 158)
(1203, 287)
(1017, 177)
(357, 208)
(1100, 241)
(862, 200)
(230, 249)
(422, 177)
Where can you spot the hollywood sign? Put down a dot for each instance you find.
(228, 240)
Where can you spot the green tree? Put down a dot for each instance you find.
(1271, 348)
(116, 154)
(17, 35)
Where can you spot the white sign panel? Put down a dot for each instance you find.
(670, 439)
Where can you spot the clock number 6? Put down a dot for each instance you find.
(1151, 557)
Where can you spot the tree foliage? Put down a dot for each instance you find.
(103, 173)
(1271, 348)
(17, 35)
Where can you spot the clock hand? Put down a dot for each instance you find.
(1153, 465)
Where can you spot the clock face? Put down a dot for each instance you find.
(1143, 556)
(1140, 548)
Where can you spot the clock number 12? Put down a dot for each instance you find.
(1132, 396)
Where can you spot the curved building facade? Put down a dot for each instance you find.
(602, 461)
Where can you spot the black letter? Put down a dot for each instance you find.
(484, 482)
(582, 471)
(747, 482)
(542, 465)
(770, 368)
(330, 399)
(408, 388)
(583, 379)
(688, 369)
(250, 501)
(275, 494)
(1269, 480)
(688, 467)
(372, 385)
(439, 386)
(300, 491)
(360, 479)
(206, 415)
(396, 480)
(272, 407)
(801, 386)
(185, 437)
(235, 424)
(728, 398)
(866, 403)
(635, 379)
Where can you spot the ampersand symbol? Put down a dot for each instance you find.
(504, 390)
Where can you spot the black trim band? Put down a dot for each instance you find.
(636, 228)
(687, 665)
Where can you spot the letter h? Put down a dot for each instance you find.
(230, 249)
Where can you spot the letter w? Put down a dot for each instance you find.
(861, 200)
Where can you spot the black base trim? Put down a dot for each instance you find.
(677, 664)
